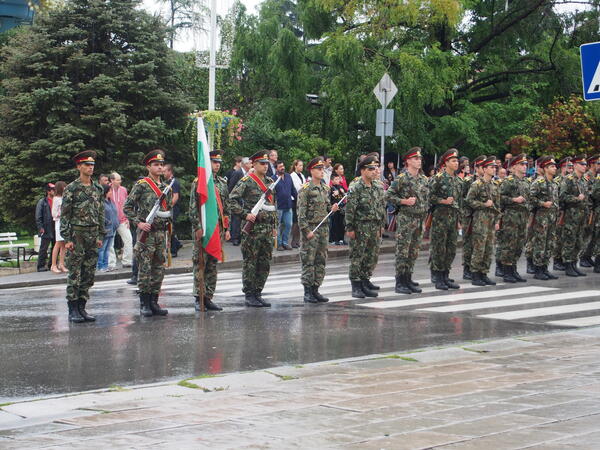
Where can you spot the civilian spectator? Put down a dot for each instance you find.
(336, 230)
(237, 163)
(236, 220)
(118, 196)
(103, 180)
(390, 172)
(45, 226)
(327, 169)
(272, 169)
(58, 252)
(169, 174)
(530, 168)
(338, 169)
(298, 179)
(111, 223)
(507, 159)
(285, 194)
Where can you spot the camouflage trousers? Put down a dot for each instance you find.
(409, 231)
(528, 236)
(573, 233)
(588, 234)
(595, 242)
(150, 257)
(81, 262)
(543, 237)
(313, 255)
(257, 249)
(364, 251)
(512, 236)
(467, 240)
(557, 251)
(442, 247)
(483, 236)
(209, 274)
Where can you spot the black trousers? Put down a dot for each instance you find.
(336, 232)
(45, 245)
(235, 227)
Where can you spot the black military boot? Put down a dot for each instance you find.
(467, 273)
(508, 276)
(83, 312)
(318, 296)
(586, 261)
(548, 274)
(261, 300)
(409, 284)
(155, 307)
(486, 280)
(368, 292)
(517, 276)
(499, 269)
(197, 305)
(308, 295)
(401, 287)
(370, 285)
(570, 270)
(210, 306)
(74, 314)
(597, 265)
(539, 274)
(559, 264)
(477, 281)
(449, 281)
(145, 310)
(251, 301)
(411, 281)
(581, 274)
(132, 280)
(357, 291)
(530, 266)
(438, 280)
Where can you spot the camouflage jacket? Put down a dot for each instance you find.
(246, 194)
(194, 210)
(570, 188)
(313, 205)
(406, 186)
(365, 203)
(513, 187)
(543, 190)
(444, 186)
(140, 202)
(481, 191)
(595, 195)
(82, 206)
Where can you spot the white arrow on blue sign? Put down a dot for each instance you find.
(590, 70)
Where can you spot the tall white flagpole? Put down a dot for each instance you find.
(212, 64)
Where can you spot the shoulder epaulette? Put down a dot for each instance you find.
(478, 181)
(142, 181)
(570, 177)
(439, 174)
(498, 182)
(540, 180)
(510, 177)
(305, 185)
(598, 177)
(327, 187)
(245, 178)
(196, 180)
(401, 175)
(356, 179)
(467, 178)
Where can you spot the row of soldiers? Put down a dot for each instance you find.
(518, 213)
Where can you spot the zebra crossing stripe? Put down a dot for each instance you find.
(542, 312)
(577, 322)
(458, 297)
(512, 302)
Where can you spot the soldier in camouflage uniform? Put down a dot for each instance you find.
(445, 197)
(151, 241)
(205, 265)
(409, 195)
(514, 192)
(257, 245)
(590, 177)
(365, 221)
(573, 194)
(82, 228)
(595, 200)
(539, 173)
(544, 201)
(565, 167)
(484, 199)
(313, 207)
(467, 213)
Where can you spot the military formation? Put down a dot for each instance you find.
(553, 215)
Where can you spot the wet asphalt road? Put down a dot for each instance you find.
(41, 353)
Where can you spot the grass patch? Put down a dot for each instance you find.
(281, 377)
(299, 366)
(116, 388)
(474, 350)
(2, 405)
(186, 383)
(403, 358)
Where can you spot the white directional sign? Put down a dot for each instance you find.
(385, 90)
(590, 70)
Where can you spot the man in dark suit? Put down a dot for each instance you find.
(45, 226)
(236, 220)
(272, 169)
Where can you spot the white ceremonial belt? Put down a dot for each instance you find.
(163, 214)
(270, 208)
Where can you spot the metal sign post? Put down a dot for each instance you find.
(385, 92)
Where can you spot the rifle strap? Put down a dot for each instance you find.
(261, 185)
(156, 190)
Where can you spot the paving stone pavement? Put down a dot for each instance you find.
(538, 392)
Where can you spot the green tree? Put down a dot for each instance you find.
(90, 74)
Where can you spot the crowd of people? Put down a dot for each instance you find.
(502, 209)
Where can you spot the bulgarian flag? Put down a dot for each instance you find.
(211, 240)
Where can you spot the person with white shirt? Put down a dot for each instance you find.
(118, 197)
(298, 179)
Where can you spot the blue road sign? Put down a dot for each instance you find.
(590, 70)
